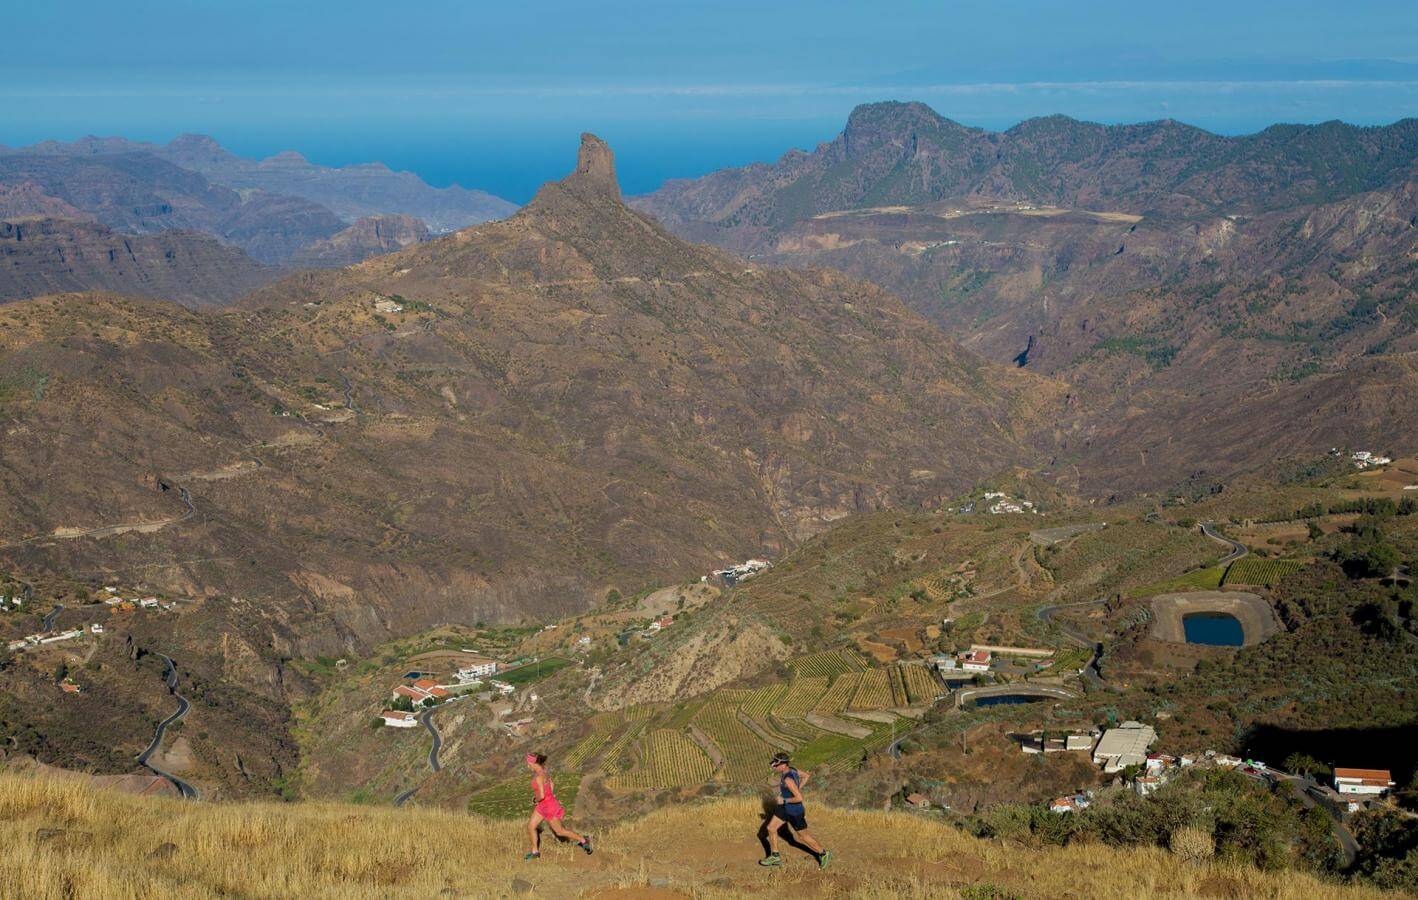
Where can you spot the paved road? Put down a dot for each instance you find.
(1299, 785)
(1238, 549)
(170, 679)
(426, 719)
(49, 618)
(1091, 672)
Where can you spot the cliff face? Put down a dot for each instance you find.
(370, 236)
(50, 256)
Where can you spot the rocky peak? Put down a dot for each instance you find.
(595, 167)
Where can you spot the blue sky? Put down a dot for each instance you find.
(493, 96)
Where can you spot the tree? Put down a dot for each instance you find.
(403, 704)
(1305, 764)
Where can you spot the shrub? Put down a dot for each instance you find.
(1193, 844)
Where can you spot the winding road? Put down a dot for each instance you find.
(170, 679)
(48, 624)
(426, 719)
(1091, 673)
(1238, 549)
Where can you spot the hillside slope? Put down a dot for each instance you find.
(1191, 288)
(71, 840)
(52, 256)
(502, 425)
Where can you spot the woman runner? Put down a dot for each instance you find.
(791, 813)
(548, 809)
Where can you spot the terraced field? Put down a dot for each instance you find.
(611, 761)
(873, 692)
(801, 696)
(764, 700)
(829, 663)
(1260, 572)
(839, 694)
(512, 799)
(745, 754)
(898, 686)
(842, 752)
(921, 686)
(602, 727)
(668, 759)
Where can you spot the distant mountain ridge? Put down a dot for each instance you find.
(282, 212)
(351, 192)
(906, 154)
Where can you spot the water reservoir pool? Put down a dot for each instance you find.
(1006, 699)
(1215, 629)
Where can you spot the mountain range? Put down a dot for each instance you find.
(1192, 289)
(280, 212)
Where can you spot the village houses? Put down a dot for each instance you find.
(398, 719)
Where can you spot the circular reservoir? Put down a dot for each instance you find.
(1006, 699)
(1214, 629)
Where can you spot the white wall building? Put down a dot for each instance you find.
(1124, 746)
(1366, 782)
(397, 719)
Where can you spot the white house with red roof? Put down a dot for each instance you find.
(1367, 782)
(975, 661)
(398, 719)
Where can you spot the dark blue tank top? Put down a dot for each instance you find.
(787, 795)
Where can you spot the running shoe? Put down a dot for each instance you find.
(771, 859)
(824, 859)
(530, 856)
(586, 845)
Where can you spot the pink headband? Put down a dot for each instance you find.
(531, 758)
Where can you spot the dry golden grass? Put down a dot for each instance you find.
(64, 839)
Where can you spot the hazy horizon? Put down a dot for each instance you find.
(494, 98)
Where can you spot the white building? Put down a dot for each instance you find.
(396, 719)
(477, 669)
(975, 661)
(96, 628)
(1367, 782)
(943, 663)
(1124, 746)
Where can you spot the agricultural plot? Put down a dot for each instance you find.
(874, 691)
(921, 686)
(839, 694)
(763, 701)
(841, 752)
(767, 729)
(602, 727)
(611, 761)
(1260, 572)
(829, 663)
(668, 759)
(898, 686)
(801, 696)
(512, 799)
(799, 731)
(745, 754)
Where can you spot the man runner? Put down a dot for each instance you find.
(791, 813)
